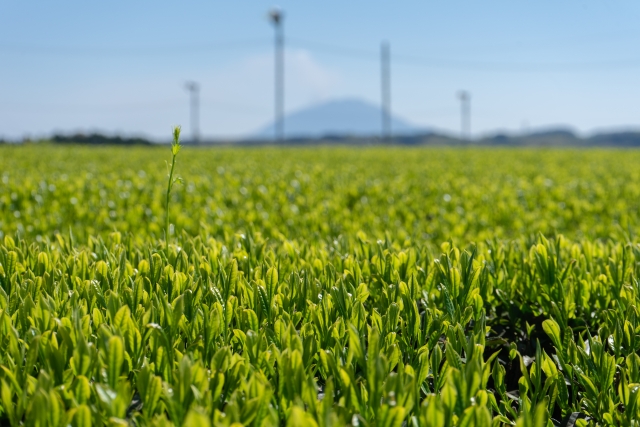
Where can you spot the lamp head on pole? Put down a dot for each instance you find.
(276, 15)
(191, 86)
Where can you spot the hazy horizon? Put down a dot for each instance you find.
(120, 68)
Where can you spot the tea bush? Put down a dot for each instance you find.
(319, 287)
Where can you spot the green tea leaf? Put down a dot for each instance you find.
(115, 359)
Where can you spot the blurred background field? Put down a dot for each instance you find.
(419, 195)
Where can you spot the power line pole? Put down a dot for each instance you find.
(385, 83)
(277, 17)
(465, 115)
(194, 91)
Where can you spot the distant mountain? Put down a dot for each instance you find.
(618, 139)
(343, 117)
(538, 138)
(564, 138)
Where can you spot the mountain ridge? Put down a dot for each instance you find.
(343, 117)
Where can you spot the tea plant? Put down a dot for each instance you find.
(175, 149)
(317, 288)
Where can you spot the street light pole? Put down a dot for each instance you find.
(385, 83)
(276, 16)
(465, 115)
(194, 91)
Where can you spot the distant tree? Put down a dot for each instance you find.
(98, 139)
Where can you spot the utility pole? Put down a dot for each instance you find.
(385, 86)
(276, 16)
(194, 91)
(465, 115)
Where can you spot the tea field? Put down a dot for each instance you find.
(325, 286)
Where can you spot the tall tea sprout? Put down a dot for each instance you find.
(175, 149)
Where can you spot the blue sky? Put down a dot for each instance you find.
(120, 66)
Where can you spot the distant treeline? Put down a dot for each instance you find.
(563, 138)
(98, 139)
(552, 138)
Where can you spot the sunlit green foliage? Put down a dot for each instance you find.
(324, 287)
(317, 194)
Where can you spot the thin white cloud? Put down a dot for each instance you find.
(236, 98)
(318, 81)
(242, 93)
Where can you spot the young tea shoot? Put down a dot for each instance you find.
(175, 149)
